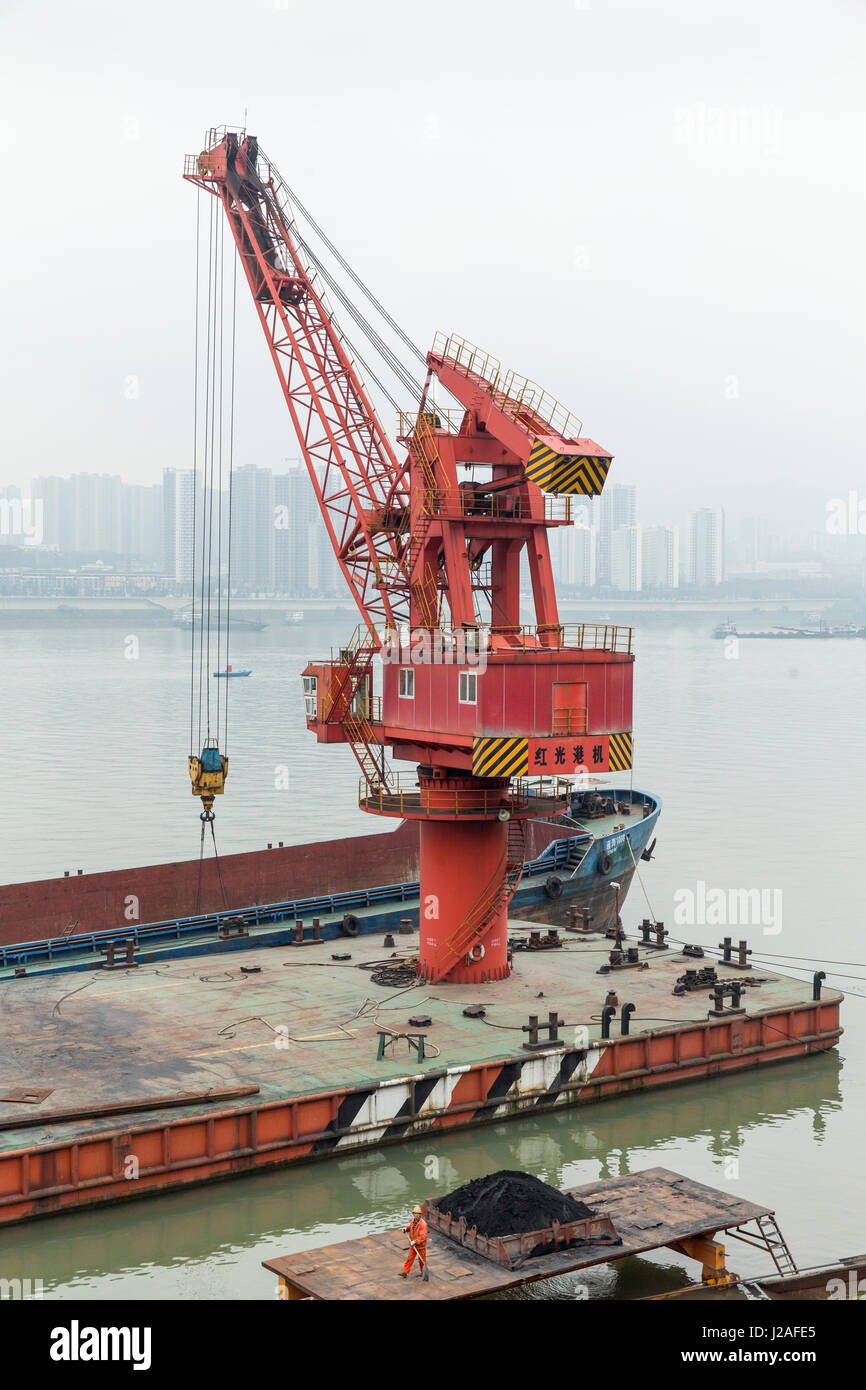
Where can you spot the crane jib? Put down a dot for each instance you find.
(354, 470)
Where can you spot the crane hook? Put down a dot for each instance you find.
(208, 775)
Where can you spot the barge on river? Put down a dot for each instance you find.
(114, 1074)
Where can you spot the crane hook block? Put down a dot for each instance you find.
(208, 775)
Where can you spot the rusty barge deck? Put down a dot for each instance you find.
(304, 1029)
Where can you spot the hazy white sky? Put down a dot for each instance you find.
(656, 210)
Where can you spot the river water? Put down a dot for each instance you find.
(756, 752)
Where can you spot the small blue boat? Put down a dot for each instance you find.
(230, 672)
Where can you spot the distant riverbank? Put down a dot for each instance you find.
(22, 611)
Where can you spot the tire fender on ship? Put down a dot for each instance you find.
(350, 926)
(553, 886)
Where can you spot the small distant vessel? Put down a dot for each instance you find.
(779, 632)
(725, 629)
(292, 619)
(230, 671)
(183, 617)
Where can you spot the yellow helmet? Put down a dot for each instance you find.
(416, 1211)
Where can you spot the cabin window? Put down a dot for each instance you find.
(311, 689)
(407, 683)
(468, 692)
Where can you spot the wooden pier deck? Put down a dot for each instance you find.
(650, 1210)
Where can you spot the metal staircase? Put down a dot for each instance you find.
(356, 661)
(421, 586)
(367, 748)
(369, 752)
(768, 1237)
(776, 1244)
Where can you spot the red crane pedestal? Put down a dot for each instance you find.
(459, 855)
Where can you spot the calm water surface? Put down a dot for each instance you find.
(758, 760)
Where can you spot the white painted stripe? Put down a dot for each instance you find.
(440, 1097)
(538, 1073)
(375, 1115)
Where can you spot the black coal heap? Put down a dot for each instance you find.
(509, 1203)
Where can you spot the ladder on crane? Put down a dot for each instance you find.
(421, 587)
(367, 748)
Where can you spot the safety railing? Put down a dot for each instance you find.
(574, 636)
(527, 397)
(570, 721)
(467, 356)
(403, 796)
(441, 418)
(516, 395)
(442, 638)
(464, 502)
(213, 137)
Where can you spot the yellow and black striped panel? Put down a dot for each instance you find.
(619, 752)
(566, 473)
(500, 757)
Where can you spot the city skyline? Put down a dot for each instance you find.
(280, 544)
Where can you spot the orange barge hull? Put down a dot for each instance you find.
(118, 1161)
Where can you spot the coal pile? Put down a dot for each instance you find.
(510, 1203)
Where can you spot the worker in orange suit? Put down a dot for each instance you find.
(417, 1233)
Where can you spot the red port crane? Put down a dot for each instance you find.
(479, 701)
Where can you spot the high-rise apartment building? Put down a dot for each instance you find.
(617, 507)
(625, 559)
(253, 529)
(169, 520)
(82, 514)
(188, 511)
(575, 555)
(141, 521)
(660, 557)
(706, 547)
